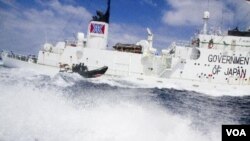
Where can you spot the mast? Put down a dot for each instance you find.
(205, 19)
(101, 17)
(107, 14)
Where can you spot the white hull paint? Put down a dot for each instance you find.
(41, 69)
(205, 69)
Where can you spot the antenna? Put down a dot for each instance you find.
(149, 31)
(107, 14)
(222, 17)
(205, 18)
(46, 36)
(208, 4)
(150, 38)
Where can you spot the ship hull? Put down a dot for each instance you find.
(43, 69)
(143, 80)
(49, 70)
(211, 67)
(214, 89)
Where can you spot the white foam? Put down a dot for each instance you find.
(29, 113)
(199, 87)
(61, 79)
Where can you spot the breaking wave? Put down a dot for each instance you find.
(67, 107)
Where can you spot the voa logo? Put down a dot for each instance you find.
(236, 132)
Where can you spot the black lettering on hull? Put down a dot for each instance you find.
(228, 59)
(236, 72)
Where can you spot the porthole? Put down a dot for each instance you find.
(195, 54)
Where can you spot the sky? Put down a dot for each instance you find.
(25, 25)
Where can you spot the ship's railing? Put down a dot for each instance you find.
(183, 43)
(70, 43)
(22, 57)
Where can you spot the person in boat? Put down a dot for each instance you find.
(79, 67)
(75, 67)
(236, 29)
(83, 67)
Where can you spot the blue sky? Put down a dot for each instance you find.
(27, 24)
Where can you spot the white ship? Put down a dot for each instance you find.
(210, 60)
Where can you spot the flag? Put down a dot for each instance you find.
(97, 28)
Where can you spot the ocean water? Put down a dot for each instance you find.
(67, 107)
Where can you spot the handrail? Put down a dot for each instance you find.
(21, 57)
(183, 43)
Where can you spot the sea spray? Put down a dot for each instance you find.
(29, 113)
(66, 107)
